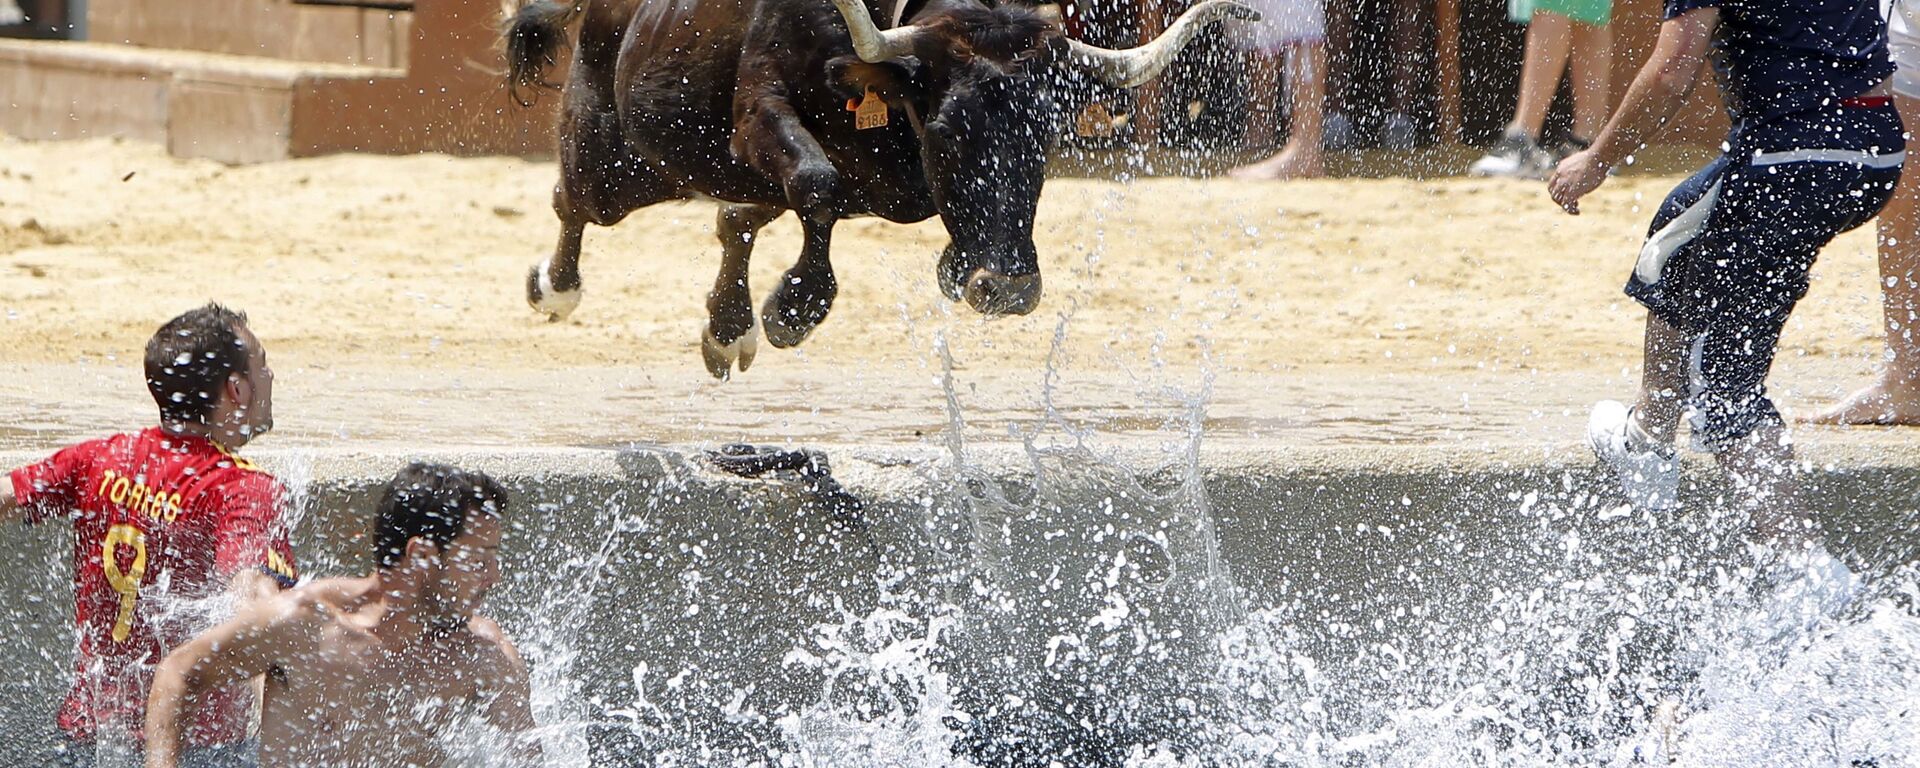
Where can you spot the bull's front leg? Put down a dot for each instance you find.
(730, 336)
(772, 140)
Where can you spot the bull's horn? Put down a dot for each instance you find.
(871, 43)
(1135, 66)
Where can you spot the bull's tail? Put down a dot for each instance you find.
(535, 32)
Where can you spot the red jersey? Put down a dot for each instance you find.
(157, 519)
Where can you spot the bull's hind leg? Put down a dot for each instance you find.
(773, 141)
(601, 181)
(730, 336)
(553, 285)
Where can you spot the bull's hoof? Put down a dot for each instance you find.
(998, 296)
(953, 272)
(796, 308)
(544, 298)
(721, 357)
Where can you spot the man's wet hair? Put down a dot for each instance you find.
(431, 501)
(190, 358)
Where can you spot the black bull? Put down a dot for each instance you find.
(745, 101)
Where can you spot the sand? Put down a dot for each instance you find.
(413, 267)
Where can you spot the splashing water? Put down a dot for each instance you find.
(1078, 611)
(1064, 603)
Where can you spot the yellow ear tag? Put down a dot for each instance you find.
(871, 112)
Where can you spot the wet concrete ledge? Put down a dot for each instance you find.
(883, 469)
(646, 559)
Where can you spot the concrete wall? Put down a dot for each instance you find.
(452, 99)
(619, 558)
(275, 29)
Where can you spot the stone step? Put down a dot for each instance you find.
(278, 29)
(450, 96)
(220, 106)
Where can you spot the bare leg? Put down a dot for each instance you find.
(1663, 381)
(1762, 471)
(1895, 397)
(1760, 465)
(1592, 78)
(1548, 37)
(1409, 72)
(1263, 107)
(1302, 157)
(730, 336)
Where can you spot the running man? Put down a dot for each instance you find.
(371, 671)
(161, 517)
(1815, 150)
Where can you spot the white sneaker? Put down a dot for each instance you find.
(1515, 156)
(1807, 585)
(1650, 478)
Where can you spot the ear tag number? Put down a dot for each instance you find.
(871, 112)
(127, 582)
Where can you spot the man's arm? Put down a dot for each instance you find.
(31, 492)
(245, 646)
(1660, 88)
(510, 703)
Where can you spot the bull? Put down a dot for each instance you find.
(742, 101)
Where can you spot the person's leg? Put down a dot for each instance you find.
(1772, 224)
(1663, 381)
(1302, 156)
(1548, 37)
(1518, 153)
(1306, 103)
(1637, 443)
(1342, 50)
(1895, 397)
(1341, 47)
(1263, 99)
(1409, 73)
(1592, 72)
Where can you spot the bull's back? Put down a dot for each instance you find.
(673, 81)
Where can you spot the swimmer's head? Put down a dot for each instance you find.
(208, 373)
(439, 527)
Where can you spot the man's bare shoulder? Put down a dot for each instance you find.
(493, 650)
(490, 638)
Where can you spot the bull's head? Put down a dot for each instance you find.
(980, 93)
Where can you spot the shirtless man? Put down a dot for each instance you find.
(372, 671)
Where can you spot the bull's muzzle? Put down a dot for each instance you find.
(995, 294)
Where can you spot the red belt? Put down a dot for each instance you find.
(1866, 102)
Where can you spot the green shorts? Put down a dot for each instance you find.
(1595, 12)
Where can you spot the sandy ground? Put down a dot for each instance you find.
(407, 273)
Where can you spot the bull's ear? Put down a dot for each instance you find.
(895, 81)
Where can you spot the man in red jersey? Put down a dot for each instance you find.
(165, 520)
